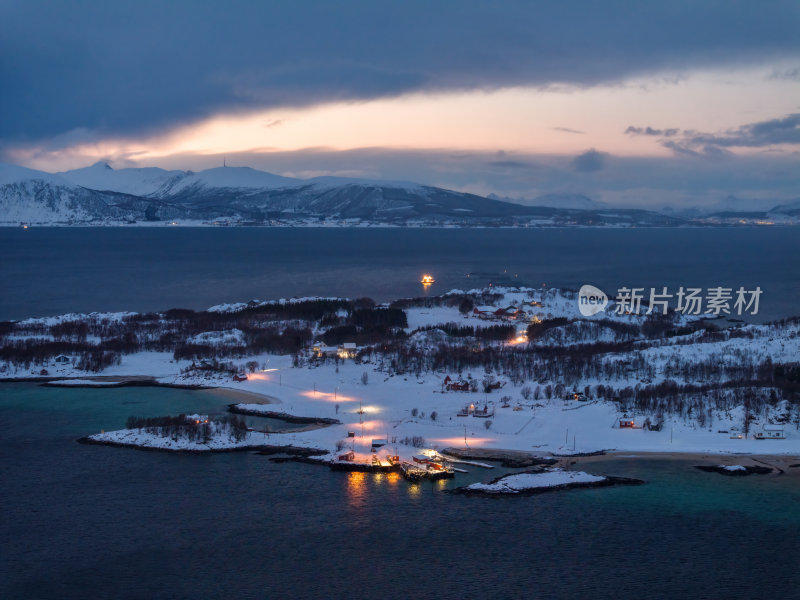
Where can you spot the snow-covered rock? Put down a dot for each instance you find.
(525, 482)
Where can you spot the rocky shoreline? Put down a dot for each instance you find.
(259, 449)
(282, 416)
(512, 459)
(107, 381)
(735, 471)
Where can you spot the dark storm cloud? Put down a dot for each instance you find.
(589, 162)
(650, 131)
(685, 149)
(568, 130)
(138, 67)
(508, 164)
(792, 74)
(680, 148)
(784, 130)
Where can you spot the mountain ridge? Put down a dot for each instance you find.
(101, 195)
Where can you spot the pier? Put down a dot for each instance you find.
(415, 473)
(410, 471)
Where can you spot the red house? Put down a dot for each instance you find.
(455, 386)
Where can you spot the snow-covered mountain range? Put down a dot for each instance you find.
(101, 195)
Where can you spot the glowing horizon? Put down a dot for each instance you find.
(555, 120)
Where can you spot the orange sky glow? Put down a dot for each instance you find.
(523, 119)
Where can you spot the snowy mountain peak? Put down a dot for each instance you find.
(240, 177)
(15, 174)
(241, 194)
(138, 182)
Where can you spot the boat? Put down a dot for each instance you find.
(427, 280)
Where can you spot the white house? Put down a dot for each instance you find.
(347, 350)
(771, 432)
(321, 351)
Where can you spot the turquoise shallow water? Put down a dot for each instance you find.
(86, 521)
(81, 521)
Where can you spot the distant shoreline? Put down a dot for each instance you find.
(197, 225)
(726, 458)
(784, 464)
(122, 381)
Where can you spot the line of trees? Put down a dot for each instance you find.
(450, 300)
(177, 427)
(492, 332)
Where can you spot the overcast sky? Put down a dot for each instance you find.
(631, 103)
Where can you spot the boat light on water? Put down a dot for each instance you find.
(427, 280)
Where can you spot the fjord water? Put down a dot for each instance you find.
(47, 271)
(82, 521)
(91, 521)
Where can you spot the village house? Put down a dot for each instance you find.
(491, 385)
(485, 312)
(62, 359)
(512, 313)
(771, 432)
(321, 351)
(484, 412)
(492, 313)
(346, 350)
(455, 386)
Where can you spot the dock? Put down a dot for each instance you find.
(415, 473)
(409, 471)
(362, 467)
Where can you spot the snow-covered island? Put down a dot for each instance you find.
(736, 470)
(193, 433)
(495, 370)
(545, 480)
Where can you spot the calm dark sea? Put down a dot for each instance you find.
(49, 271)
(94, 522)
(84, 521)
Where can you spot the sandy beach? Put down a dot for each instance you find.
(245, 397)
